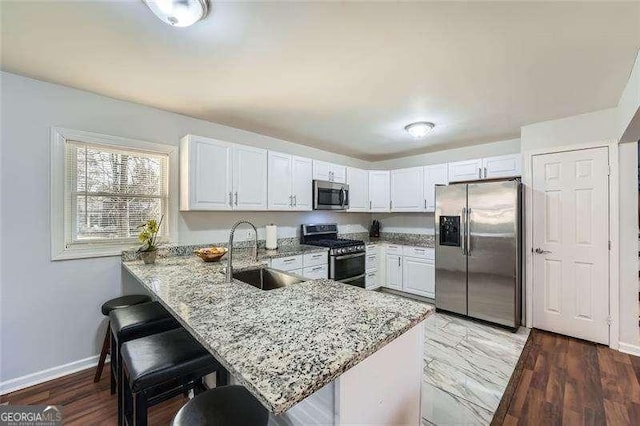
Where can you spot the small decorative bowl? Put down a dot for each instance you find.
(211, 254)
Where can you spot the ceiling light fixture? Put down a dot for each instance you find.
(419, 129)
(179, 13)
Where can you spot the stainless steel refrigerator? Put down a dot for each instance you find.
(478, 250)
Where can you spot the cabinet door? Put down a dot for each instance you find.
(358, 181)
(379, 191)
(393, 272)
(321, 170)
(209, 174)
(465, 170)
(433, 175)
(338, 173)
(301, 183)
(418, 276)
(502, 167)
(407, 194)
(371, 280)
(279, 192)
(249, 178)
(316, 272)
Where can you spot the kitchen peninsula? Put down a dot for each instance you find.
(318, 350)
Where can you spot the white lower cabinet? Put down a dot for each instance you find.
(373, 267)
(393, 267)
(418, 276)
(371, 279)
(316, 272)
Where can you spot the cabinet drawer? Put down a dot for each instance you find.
(316, 272)
(315, 259)
(373, 249)
(287, 263)
(371, 261)
(394, 249)
(422, 252)
(371, 279)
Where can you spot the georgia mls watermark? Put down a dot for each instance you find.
(30, 415)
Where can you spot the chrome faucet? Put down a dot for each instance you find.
(230, 257)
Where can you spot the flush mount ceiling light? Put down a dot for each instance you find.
(419, 129)
(179, 13)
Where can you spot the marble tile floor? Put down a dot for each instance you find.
(467, 368)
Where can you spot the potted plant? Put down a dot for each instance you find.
(148, 236)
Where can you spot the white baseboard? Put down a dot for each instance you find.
(49, 374)
(629, 348)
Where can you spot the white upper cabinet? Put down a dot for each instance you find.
(433, 175)
(329, 171)
(358, 181)
(301, 183)
(379, 191)
(249, 178)
(503, 166)
(289, 182)
(205, 174)
(407, 194)
(465, 170)
(279, 181)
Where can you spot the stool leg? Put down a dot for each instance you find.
(222, 377)
(139, 409)
(103, 354)
(114, 363)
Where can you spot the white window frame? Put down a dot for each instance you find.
(59, 137)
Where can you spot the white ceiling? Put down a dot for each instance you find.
(345, 77)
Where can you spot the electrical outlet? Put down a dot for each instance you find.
(249, 234)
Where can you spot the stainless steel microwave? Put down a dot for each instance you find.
(330, 195)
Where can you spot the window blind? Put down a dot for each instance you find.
(110, 191)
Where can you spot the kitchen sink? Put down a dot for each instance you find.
(267, 278)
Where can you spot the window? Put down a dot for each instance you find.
(109, 186)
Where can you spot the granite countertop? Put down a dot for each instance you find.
(413, 240)
(282, 344)
(284, 251)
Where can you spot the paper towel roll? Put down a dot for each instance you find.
(272, 237)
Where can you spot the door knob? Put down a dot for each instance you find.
(540, 251)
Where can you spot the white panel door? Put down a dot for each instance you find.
(503, 166)
(321, 170)
(358, 181)
(465, 170)
(338, 173)
(279, 192)
(570, 241)
(433, 175)
(379, 191)
(418, 276)
(407, 194)
(393, 270)
(302, 183)
(249, 178)
(210, 177)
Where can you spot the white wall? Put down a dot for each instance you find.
(50, 311)
(629, 106)
(511, 146)
(594, 127)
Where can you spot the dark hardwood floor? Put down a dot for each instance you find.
(564, 381)
(85, 402)
(558, 380)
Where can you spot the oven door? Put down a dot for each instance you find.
(346, 266)
(359, 281)
(330, 195)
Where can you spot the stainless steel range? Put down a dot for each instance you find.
(346, 257)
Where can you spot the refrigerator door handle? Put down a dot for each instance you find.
(463, 231)
(468, 231)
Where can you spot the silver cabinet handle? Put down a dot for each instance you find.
(317, 268)
(290, 200)
(288, 260)
(236, 198)
(425, 204)
(485, 172)
(398, 260)
(479, 172)
(370, 205)
(295, 200)
(230, 199)
(540, 251)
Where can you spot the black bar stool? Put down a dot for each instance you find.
(107, 307)
(134, 322)
(222, 406)
(158, 367)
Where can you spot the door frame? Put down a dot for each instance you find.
(614, 267)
